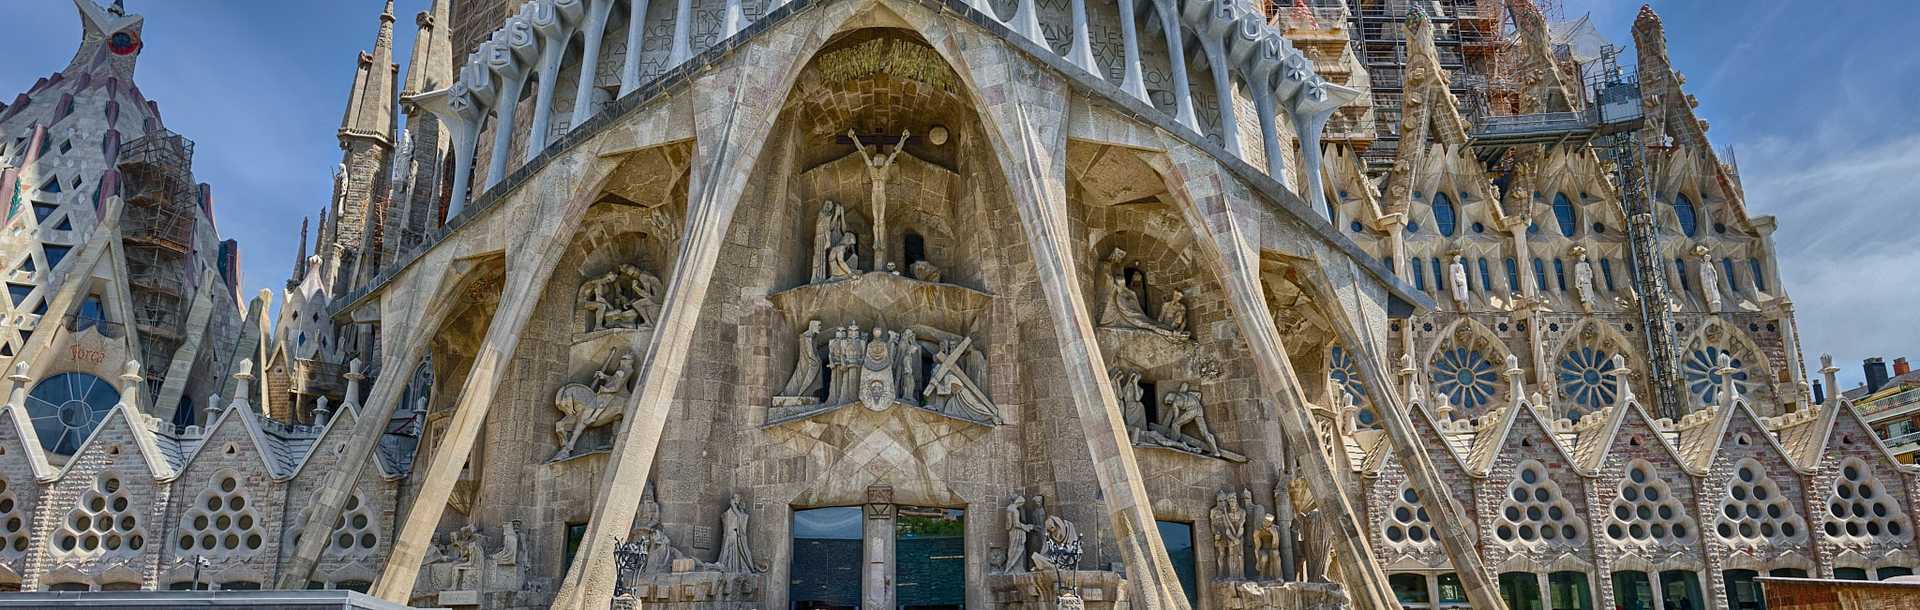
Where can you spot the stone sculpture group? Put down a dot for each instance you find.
(879, 367)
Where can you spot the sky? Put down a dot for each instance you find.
(1811, 101)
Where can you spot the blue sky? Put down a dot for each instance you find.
(1810, 96)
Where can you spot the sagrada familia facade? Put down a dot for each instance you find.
(933, 304)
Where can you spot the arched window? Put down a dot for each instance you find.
(1759, 274)
(67, 407)
(1560, 274)
(1606, 273)
(1419, 274)
(1683, 208)
(1513, 275)
(1486, 279)
(913, 249)
(1539, 275)
(1563, 211)
(1686, 283)
(1733, 278)
(1443, 214)
(1439, 276)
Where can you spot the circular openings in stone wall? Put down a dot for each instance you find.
(1754, 512)
(1646, 511)
(1861, 508)
(13, 523)
(354, 531)
(103, 521)
(1407, 523)
(1535, 512)
(222, 520)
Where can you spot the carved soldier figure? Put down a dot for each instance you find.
(584, 407)
(1236, 527)
(1217, 521)
(1266, 547)
(1133, 410)
(1017, 531)
(908, 368)
(594, 299)
(836, 365)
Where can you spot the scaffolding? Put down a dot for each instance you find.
(160, 194)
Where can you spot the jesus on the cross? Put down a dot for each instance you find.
(878, 166)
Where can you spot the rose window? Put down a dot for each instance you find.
(67, 407)
(1754, 512)
(1703, 374)
(221, 521)
(1465, 376)
(1407, 522)
(1587, 378)
(1860, 507)
(103, 520)
(1646, 511)
(1535, 511)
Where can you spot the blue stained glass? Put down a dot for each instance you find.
(1689, 221)
(1606, 273)
(1563, 211)
(1413, 226)
(1759, 275)
(1439, 277)
(67, 407)
(1486, 279)
(1686, 283)
(55, 254)
(1560, 273)
(1733, 278)
(1586, 375)
(1513, 275)
(1465, 376)
(1704, 379)
(1357, 227)
(1539, 275)
(1419, 274)
(1443, 217)
(1345, 372)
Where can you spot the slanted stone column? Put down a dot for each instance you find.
(1028, 129)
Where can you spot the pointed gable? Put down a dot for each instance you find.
(1736, 425)
(125, 430)
(1427, 434)
(336, 434)
(236, 429)
(1513, 427)
(19, 445)
(1615, 426)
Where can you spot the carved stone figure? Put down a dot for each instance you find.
(950, 391)
(877, 390)
(1173, 313)
(585, 406)
(1121, 306)
(735, 556)
(660, 551)
(908, 367)
(1457, 274)
(1060, 549)
(806, 370)
(828, 228)
(1017, 531)
(644, 304)
(1133, 408)
(1218, 521)
(623, 298)
(1583, 280)
(1306, 510)
(841, 376)
(509, 553)
(1709, 280)
(1266, 548)
(843, 260)
(925, 271)
(878, 169)
(595, 300)
(1183, 408)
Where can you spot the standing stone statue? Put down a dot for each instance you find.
(909, 367)
(878, 169)
(1457, 272)
(509, 553)
(1017, 532)
(1583, 280)
(1709, 280)
(1218, 522)
(1266, 548)
(828, 227)
(1236, 538)
(876, 360)
(735, 556)
(806, 370)
(836, 366)
(1133, 409)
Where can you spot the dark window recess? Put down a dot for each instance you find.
(43, 211)
(1137, 282)
(1177, 537)
(913, 249)
(576, 533)
(55, 254)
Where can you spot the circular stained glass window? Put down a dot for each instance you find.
(1465, 376)
(123, 43)
(67, 407)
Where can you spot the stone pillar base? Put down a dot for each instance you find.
(1239, 594)
(1041, 590)
(704, 590)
